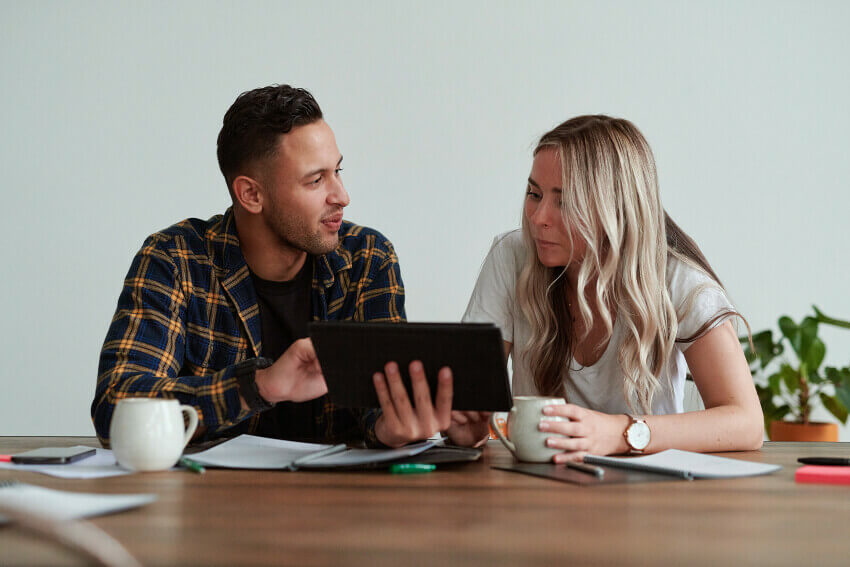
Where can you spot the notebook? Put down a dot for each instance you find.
(686, 464)
(63, 505)
(822, 474)
(350, 354)
(251, 452)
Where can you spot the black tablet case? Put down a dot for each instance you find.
(350, 354)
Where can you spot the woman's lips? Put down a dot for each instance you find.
(545, 243)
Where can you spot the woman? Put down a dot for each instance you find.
(602, 299)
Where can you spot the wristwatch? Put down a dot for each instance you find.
(245, 372)
(637, 435)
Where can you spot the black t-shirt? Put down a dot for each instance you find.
(284, 313)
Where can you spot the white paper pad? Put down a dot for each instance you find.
(251, 452)
(63, 505)
(100, 465)
(687, 464)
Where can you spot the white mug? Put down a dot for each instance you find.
(525, 440)
(147, 434)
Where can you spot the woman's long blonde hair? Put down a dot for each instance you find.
(610, 199)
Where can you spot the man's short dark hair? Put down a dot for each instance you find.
(254, 122)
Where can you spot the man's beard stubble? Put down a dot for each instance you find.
(296, 233)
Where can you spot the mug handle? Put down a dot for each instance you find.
(192, 414)
(505, 441)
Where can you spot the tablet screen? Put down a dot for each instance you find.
(350, 353)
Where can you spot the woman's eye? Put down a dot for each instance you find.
(531, 194)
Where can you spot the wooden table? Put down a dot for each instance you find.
(467, 515)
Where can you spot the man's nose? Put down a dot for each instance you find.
(338, 196)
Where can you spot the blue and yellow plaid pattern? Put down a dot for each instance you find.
(188, 314)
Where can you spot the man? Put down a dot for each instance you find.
(214, 313)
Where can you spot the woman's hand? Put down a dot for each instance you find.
(587, 431)
(469, 428)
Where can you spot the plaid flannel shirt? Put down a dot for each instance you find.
(188, 313)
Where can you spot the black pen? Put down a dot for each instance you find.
(598, 472)
(832, 461)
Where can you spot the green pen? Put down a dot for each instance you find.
(192, 466)
(411, 468)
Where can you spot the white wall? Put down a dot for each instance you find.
(109, 114)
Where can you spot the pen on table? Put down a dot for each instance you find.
(598, 472)
(192, 466)
(411, 468)
(5, 458)
(830, 461)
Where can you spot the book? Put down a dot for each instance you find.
(686, 464)
(822, 474)
(251, 452)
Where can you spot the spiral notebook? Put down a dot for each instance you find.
(686, 464)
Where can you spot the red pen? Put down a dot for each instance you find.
(5, 458)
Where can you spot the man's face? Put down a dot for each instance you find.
(303, 191)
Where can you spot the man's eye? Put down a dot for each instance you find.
(316, 181)
(337, 171)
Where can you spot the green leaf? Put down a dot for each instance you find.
(843, 394)
(764, 347)
(830, 320)
(835, 407)
(808, 335)
(774, 383)
(791, 331)
(815, 355)
(790, 377)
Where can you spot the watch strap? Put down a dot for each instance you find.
(245, 372)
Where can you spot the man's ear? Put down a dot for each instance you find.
(246, 191)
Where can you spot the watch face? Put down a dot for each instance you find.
(638, 435)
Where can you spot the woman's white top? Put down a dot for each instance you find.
(600, 386)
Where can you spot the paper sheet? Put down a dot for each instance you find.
(63, 505)
(100, 465)
(356, 457)
(251, 452)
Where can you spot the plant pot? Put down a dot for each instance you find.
(812, 431)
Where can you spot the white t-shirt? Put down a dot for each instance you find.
(600, 386)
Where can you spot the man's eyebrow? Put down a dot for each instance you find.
(320, 170)
(533, 182)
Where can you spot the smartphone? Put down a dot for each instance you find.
(52, 455)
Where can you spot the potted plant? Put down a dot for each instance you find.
(790, 390)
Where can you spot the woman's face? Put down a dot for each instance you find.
(543, 213)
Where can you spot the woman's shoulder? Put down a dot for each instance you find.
(508, 248)
(697, 298)
(684, 277)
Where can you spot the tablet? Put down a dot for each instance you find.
(350, 354)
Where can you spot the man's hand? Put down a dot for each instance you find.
(295, 377)
(469, 428)
(402, 423)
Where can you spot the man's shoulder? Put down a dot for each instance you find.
(355, 238)
(190, 235)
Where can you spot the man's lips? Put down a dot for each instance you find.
(333, 221)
